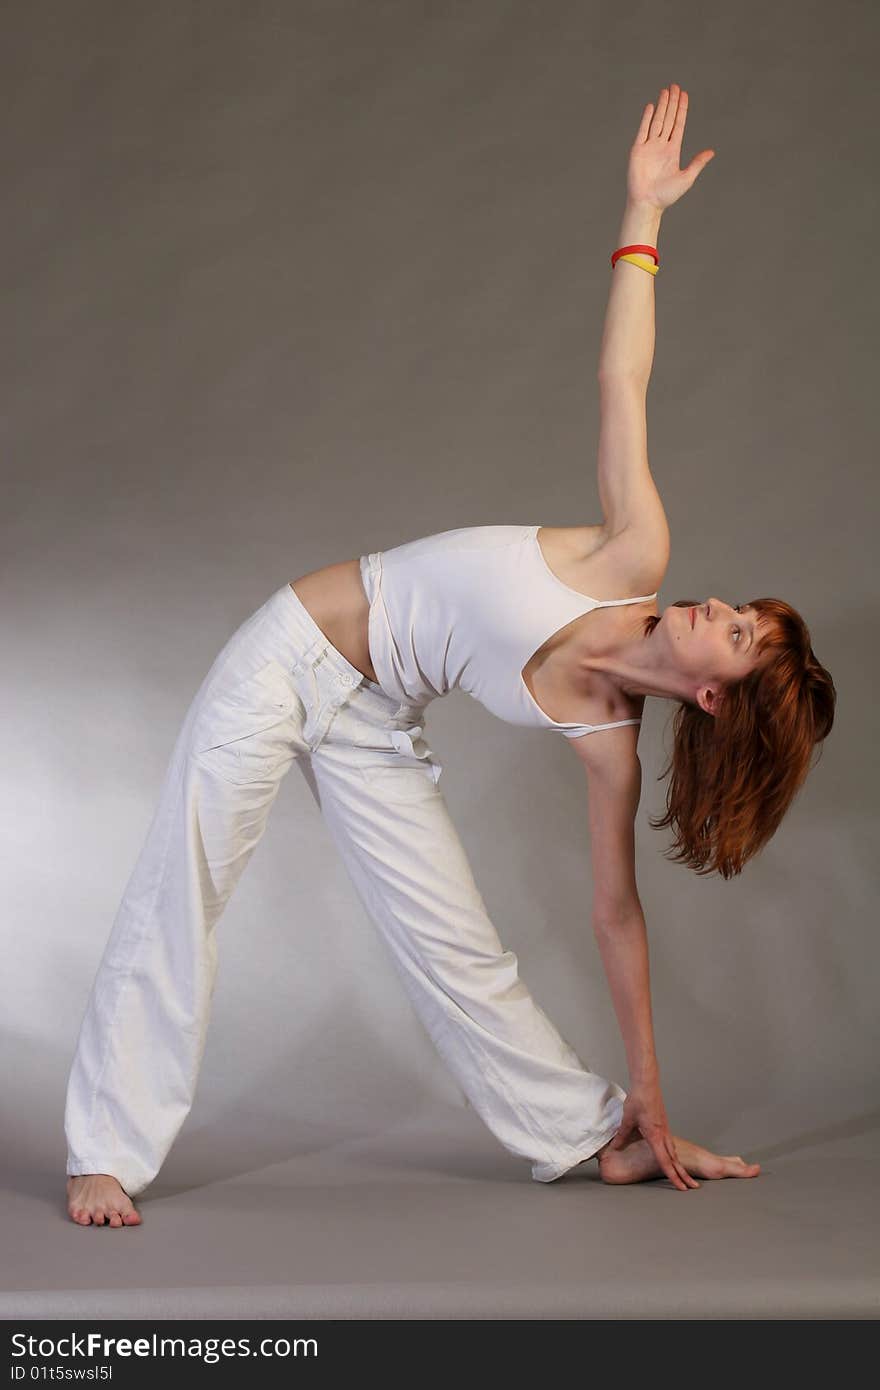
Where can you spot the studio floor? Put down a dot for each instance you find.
(432, 1219)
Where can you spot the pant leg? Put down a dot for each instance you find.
(388, 816)
(143, 1035)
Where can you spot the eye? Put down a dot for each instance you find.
(738, 630)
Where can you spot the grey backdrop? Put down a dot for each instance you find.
(285, 283)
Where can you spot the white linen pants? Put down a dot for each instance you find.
(279, 692)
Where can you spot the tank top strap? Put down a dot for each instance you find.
(578, 730)
(614, 602)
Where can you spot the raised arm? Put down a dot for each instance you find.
(627, 492)
(627, 348)
(654, 182)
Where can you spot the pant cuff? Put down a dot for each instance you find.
(77, 1168)
(550, 1170)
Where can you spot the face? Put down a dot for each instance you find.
(714, 643)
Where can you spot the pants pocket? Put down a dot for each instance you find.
(406, 770)
(244, 729)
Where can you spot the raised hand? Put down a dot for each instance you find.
(653, 176)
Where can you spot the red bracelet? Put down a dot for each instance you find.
(621, 250)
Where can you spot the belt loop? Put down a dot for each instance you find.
(305, 657)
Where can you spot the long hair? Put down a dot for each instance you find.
(735, 773)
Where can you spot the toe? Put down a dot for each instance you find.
(132, 1218)
(98, 1216)
(747, 1169)
(115, 1219)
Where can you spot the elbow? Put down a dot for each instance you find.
(639, 377)
(610, 921)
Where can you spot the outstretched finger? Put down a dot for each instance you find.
(680, 1168)
(671, 112)
(656, 129)
(680, 117)
(666, 1157)
(669, 1168)
(642, 133)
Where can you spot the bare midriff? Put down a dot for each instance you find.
(335, 599)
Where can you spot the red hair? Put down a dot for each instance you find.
(735, 773)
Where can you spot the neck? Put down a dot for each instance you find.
(642, 664)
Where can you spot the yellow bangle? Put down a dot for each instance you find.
(643, 262)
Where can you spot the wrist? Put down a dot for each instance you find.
(640, 225)
(646, 1074)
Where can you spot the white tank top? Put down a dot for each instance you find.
(466, 609)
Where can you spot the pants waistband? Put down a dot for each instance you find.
(306, 646)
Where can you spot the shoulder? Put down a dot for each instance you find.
(609, 756)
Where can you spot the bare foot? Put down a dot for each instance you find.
(98, 1197)
(636, 1162)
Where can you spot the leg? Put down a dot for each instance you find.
(143, 1035)
(390, 822)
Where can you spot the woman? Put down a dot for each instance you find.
(334, 673)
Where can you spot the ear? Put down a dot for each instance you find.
(709, 699)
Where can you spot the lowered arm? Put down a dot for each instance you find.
(614, 774)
